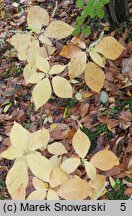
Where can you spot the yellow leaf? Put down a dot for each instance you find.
(11, 153)
(38, 184)
(33, 51)
(39, 139)
(30, 74)
(112, 182)
(81, 143)
(40, 166)
(58, 30)
(57, 148)
(21, 43)
(56, 69)
(98, 183)
(19, 137)
(70, 165)
(42, 64)
(94, 77)
(104, 160)
(37, 195)
(20, 193)
(51, 50)
(77, 65)
(41, 93)
(55, 160)
(109, 47)
(90, 169)
(97, 58)
(37, 17)
(17, 177)
(58, 177)
(45, 40)
(52, 195)
(74, 189)
(62, 87)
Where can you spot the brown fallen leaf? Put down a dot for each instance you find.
(128, 191)
(69, 51)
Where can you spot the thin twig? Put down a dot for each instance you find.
(54, 11)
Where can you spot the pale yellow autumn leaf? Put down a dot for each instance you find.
(57, 177)
(19, 137)
(52, 195)
(57, 148)
(21, 43)
(58, 30)
(109, 47)
(20, 193)
(17, 177)
(41, 93)
(33, 51)
(39, 139)
(51, 50)
(39, 185)
(97, 58)
(94, 77)
(30, 74)
(90, 170)
(77, 65)
(37, 17)
(12, 153)
(45, 40)
(56, 69)
(42, 64)
(81, 143)
(62, 87)
(75, 189)
(98, 183)
(70, 165)
(55, 160)
(40, 166)
(37, 195)
(104, 160)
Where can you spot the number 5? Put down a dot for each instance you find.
(123, 207)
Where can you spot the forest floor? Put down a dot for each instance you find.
(106, 123)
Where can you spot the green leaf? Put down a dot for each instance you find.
(90, 2)
(80, 20)
(105, 1)
(97, 5)
(93, 13)
(76, 31)
(86, 11)
(86, 30)
(100, 13)
(79, 3)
